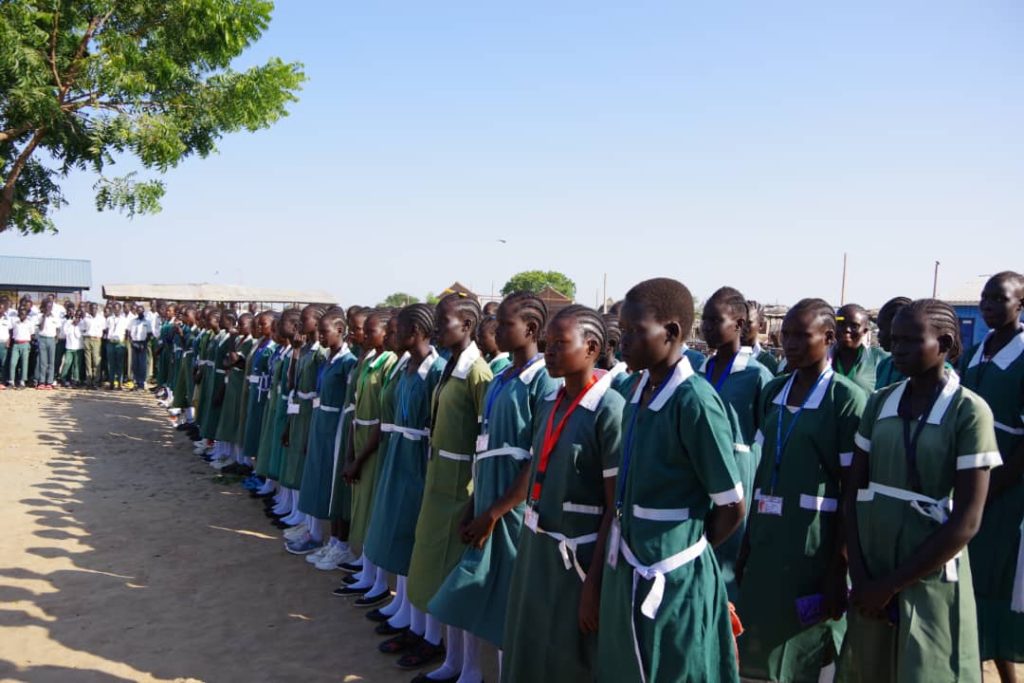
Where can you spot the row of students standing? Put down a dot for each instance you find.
(599, 523)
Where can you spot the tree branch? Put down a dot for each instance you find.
(95, 24)
(53, 49)
(13, 133)
(7, 196)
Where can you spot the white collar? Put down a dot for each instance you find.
(465, 361)
(813, 401)
(1006, 355)
(397, 367)
(756, 349)
(892, 403)
(739, 362)
(592, 399)
(682, 372)
(428, 362)
(341, 352)
(618, 369)
(500, 356)
(527, 375)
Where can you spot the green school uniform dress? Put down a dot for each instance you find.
(886, 374)
(864, 369)
(766, 358)
(499, 363)
(935, 637)
(258, 382)
(204, 362)
(280, 419)
(474, 596)
(306, 371)
(277, 365)
(325, 434)
(183, 385)
(403, 468)
(792, 526)
(997, 551)
(341, 492)
(221, 348)
(695, 357)
(388, 406)
(740, 390)
(227, 427)
(456, 406)
(166, 355)
(369, 385)
(664, 609)
(622, 381)
(543, 642)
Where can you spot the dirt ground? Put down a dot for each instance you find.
(123, 558)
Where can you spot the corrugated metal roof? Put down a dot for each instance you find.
(44, 274)
(213, 292)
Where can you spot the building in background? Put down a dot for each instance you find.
(38, 277)
(964, 300)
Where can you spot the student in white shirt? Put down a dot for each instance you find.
(74, 356)
(117, 353)
(21, 345)
(5, 339)
(93, 327)
(139, 330)
(46, 334)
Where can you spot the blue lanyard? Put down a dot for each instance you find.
(627, 445)
(499, 383)
(780, 439)
(710, 372)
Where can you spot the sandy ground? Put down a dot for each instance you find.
(123, 558)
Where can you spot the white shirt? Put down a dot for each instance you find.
(5, 329)
(49, 325)
(139, 329)
(93, 326)
(117, 327)
(23, 330)
(72, 335)
(60, 311)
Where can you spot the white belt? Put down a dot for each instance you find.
(579, 509)
(741, 448)
(349, 408)
(656, 572)
(306, 395)
(253, 379)
(567, 548)
(220, 371)
(937, 510)
(328, 409)
(366, 423)
(661, 514)
(387, 427)
(410, 433)
(515, 452)
(460, 457)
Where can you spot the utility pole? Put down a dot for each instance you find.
(842, 291)
(604, 296)
(935, 281)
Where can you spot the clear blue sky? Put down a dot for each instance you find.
(741, 143)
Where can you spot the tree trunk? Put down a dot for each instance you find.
(7, 195)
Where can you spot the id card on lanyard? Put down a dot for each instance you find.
(552, 433)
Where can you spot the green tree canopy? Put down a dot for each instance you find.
(397, 300)
(536, 280)
(431, 298)
(82, 81)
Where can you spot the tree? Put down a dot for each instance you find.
(536, 280)
(397, 300)
(431, 298)
(84, 81)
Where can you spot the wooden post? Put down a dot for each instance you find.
(842, 291)
(935, 281)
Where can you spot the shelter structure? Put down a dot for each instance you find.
(263, 297)
(38, 277)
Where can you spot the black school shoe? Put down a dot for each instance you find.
(350, 592)
(373, 600)
(423, 678)
(386, 629)
(375, 615)
(403, 642)
(420, 655)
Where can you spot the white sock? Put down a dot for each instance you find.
(268, 487)
(284, 503)
(295, 517)
(369, 575)
(453, 656)
(470, 659)
(391, 608)
(501, 662)
(417, 621)
(402, 616)
(432, 630)
(190, 414)
(380, 585)
(314, 529)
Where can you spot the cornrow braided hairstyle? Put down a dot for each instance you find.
(383, 315)
(420, 317)
(667, 299)
(488, 323)
(317, 310)
(852, 309)
(589, 321)
(821, 309)
(612, 331)
(466, 307)
(891, 307)
(527, 306)
(229, 314)
(941, 318)
(734, 300)
(335, 315)
(290, 314)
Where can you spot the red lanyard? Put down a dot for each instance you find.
(552, 433)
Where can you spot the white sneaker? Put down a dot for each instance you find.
(295, 532)
(174, 411)
(303, 538)
(347, 557)
(330, 560)
(199, 447)
(317, 554)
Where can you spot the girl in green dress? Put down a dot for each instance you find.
(486, 339)
(403, 468)
(234, 365)
(361, 470)
(554, 597)
(456, 408)
(739, 379)
(792, 568)
(474, 596)
(288, 501)
(610, 360)
(886, 373)
(852, 357)
(664, 610)
(922, 444)
(257, 399)
(995, 370)
(752, 337)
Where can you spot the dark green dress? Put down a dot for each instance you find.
(864, 371)
(227, 428)
(306, 371)
(272, 404)
(280, 421)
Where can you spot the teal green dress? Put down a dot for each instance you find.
(227, 427)
(935, 637)
(256, 400)
(325, 434)
(403, 468)
(767, 359)
(369, 387)
(184, 384)
(341, 492)
(280, 416)
(664, 609)
(456, 406)
(695, 357)
(217, 351)
(886, 374)
(543, 641)
(204, 361)
(865, 368)
(740, 391)
(474, 596)
(306, 371)
(997, 557)
(791, 548)
(272, 404)
(499, 363)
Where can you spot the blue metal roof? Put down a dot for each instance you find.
(44, 274)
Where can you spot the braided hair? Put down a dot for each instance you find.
(382, 315)
(852, 310)
(667, 299)
(527, 306)
(733, 299)
(419, 317)
(335, 315)
(589, 322)
(942, 320)
(612, 331)
(819, 308)
(466, 307)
